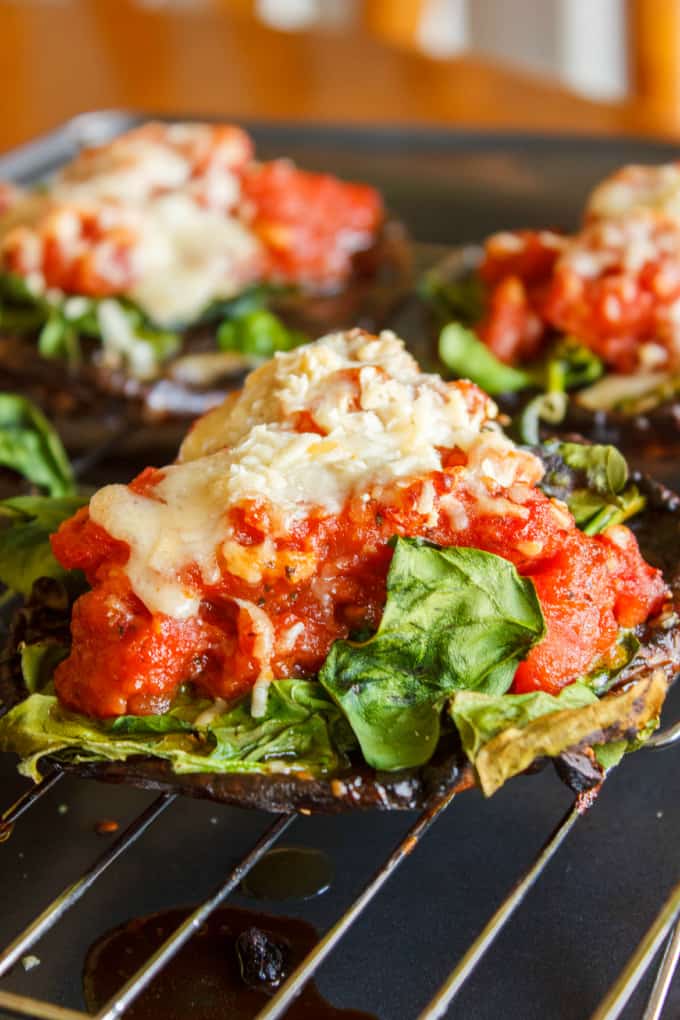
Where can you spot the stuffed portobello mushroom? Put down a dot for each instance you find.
(150, 273)
(350, 589)
(576, 330)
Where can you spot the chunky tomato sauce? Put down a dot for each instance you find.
(87, 238)
(311, 224)
(615, 287)
(328, 579)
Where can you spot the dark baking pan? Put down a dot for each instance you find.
(577, 929)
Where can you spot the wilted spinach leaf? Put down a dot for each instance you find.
(502, 736)
(459, 299)
(259, 333)
(302, 729)
(593, 481)
(38, 662)
(30, 446)
(480, 717)
(568, 366)
(454, 618)
(26, 522)
(465, 356)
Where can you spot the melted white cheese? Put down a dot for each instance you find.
(392, 429)
(130, 169)
(637, 187)
(188, 248)
(188, 256)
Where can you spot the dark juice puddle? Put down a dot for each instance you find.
(289, 873)
(204, 980)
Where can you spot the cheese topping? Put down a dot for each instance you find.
(630, 243)
(176, 217)
(188, 256)
(637, 187)
(180, 256)
(154, 212)
(382, 422)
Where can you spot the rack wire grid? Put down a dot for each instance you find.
(665, 927)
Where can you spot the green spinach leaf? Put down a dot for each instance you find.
(593, 481)
(58, 338)
(502, 736)
(606, 671)
(454, 618)
(480, 717)
(301, 730)
(610, 755)
(465, 356)
(26, 523)
(459, 299)
(38, 662)
(31, 446)
(259, 333)
(569, 365)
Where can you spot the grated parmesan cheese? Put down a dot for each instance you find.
(637, 187)
(384, 425)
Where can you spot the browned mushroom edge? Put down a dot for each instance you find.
(361, 787)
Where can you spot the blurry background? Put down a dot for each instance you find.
(599, 66)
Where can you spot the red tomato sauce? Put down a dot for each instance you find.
(311, 224)
(128, 660)
(614, 287)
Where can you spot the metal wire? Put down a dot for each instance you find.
(138, 982)
(664, 739)
(19, 1005)
(70, 896)
(614, 1002)
(22, 1005)
(664, 977)
(26, 801)
(439, 1004)
(294, 984)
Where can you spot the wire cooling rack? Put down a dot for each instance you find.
(665, 927)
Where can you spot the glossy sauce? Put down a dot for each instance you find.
(204, 980)
(289, 873)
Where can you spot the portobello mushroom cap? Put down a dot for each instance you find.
(361, 787)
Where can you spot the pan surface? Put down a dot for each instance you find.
(574, 934)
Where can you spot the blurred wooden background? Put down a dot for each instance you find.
(328, 60)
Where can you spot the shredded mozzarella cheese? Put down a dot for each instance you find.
(384, 423)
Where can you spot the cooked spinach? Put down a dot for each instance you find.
(593, 481)
(503, 735)
(30, 446)
(462, 299)
(454, 618)
(259, 333)
(301, 730)
(26, 523)
(465, 356)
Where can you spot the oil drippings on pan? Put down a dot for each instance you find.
(289, 873)
(230, 968)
